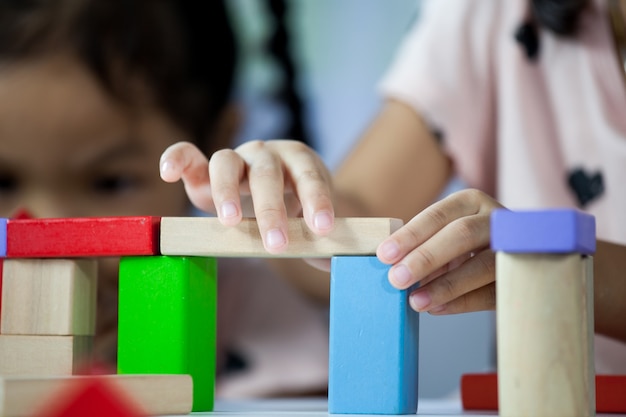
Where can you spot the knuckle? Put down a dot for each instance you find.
(447, 287)
(437, 216)
(310, 176)
(486, 263)
(425, 258)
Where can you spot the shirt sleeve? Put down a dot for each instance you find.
(443, 70)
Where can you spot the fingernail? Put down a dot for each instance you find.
(401, 275)
(420, 300)
(275, 239)
(323, 220)
(389, 250)
(166, 166)
(229, 209)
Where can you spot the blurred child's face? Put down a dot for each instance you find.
(68, 149)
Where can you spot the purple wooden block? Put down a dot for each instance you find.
(3, 237)
(543, 231)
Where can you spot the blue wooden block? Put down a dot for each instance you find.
(3, 237)
(373, 341)
(543, 231)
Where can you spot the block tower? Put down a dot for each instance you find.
(166, 349)
(544, 286)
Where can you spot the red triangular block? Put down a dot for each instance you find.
(93, 397)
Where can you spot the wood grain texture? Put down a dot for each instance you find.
(44, 355)
(155, 394)
(49, 297)
(199, 236)
(85, 236)
(545, 355)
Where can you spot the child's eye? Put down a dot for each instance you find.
(114, 184)
(8, 183)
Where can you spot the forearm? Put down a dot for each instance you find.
(610, 290)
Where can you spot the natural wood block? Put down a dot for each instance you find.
(83, 236)
(201, 236)
(43, 355)
(49, 297)
(545, 331)
(155, 394)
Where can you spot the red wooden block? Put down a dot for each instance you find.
(480, 392)
(95, 398)
(84, 236)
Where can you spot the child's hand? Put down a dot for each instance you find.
(446, 249)
(268, 179)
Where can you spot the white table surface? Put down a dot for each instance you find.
(318, 408)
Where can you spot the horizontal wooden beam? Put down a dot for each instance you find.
(204, 236)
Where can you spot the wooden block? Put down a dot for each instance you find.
(3, 237)
(543, 231)
(544, 353)
(201, 236)
(78, 237)
(44, 355)
(480, 392)
(544, 296)
(49, 297)
(155, 394)
(373, 362)
(167, 320)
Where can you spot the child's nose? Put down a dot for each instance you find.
(43, 204)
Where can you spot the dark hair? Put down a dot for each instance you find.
(287, 93)
(559, 16)
(184, 50)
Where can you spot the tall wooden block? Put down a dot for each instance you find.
(373, 341)
(544, 298)
(49, 297)
(206, 236)
(167, 320)
(44, 355)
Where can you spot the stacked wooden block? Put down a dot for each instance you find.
(167, 309)
(544, 276)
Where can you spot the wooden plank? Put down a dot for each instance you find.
(86, 236)
(480, 392)
(49, 297)
(167, 320)
(44, 355)
(201, 236)
(155, 394)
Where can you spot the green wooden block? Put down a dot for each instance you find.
(167, 320)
